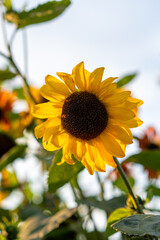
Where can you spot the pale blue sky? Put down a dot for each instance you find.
(123, 36)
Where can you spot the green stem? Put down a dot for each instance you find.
(124, 177)
(10, 58)
(101, 186)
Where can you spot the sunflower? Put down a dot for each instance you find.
(6, 103)
(87, 117)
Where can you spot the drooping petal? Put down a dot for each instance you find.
(39, 129)
(68, 80)
(48, 145)
(79, 76)
(46, 110)
(59, 139)
(80, 149)
(120, 133)
(88, 162)
(57, 86)
(111, 145)
(106, 156)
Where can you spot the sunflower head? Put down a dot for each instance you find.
(87, 117)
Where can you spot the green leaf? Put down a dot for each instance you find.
(125, 80)
(149, 159)
(5, 214)
(109, 205)
(60, 175)
(19, 93)
(119, 183)
(38, 226)
(6, 75)
(155, 190)
(11, 155)
(115, 216)
(8, 4)
(42, 13)
(139, 225)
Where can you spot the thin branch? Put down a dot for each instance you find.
(124, 177)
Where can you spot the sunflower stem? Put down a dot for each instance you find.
(124, 177)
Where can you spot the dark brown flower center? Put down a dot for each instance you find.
(84, 116)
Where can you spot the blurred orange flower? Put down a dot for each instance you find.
(6, 104)
(150, 141)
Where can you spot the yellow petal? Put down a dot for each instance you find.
(135, 100)
(96, 158)
(120, 133)
(57, 86)
(80, 149)
(46, 110)
(68, 159)
(70, 146)
(132, 123)
(95, 79)
(59, 138)
(39, 130)
(117, 98)
(51, 131)
(120, 113)
(49, 146)
(79, 76)
(107, 91)
(47, 92)
(111, 145)
(68, 80)
(89, 165)
(107, 157)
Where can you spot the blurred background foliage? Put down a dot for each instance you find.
(45, 214)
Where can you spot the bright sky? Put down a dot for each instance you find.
(123, 36)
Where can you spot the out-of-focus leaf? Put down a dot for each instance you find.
(121, 185)
(7, 4)
(6, 75)
(6, 143)
(149, 159)
(95, 235)
(19, 93)
(125, 80)
(109, 205)
(27, 192)
(37, 227)
(155, 190)
(60, 175)
(42, 13)
(149, 196)
(16, 152)
(5, 214)
(139, 225)
(115, 216)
